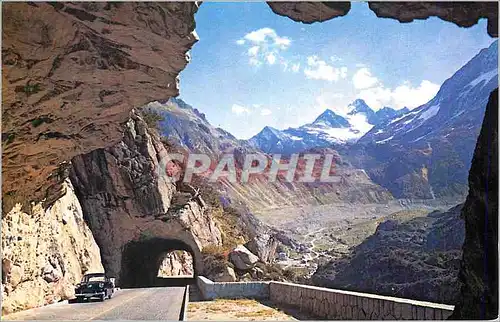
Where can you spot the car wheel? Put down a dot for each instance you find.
(110, 295)
(102, 298)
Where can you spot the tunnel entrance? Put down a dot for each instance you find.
(146, 263)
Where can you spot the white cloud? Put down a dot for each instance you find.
(271, 59)
(319, 69)
(377, 97)
(334, 102)
(265, 112)
(404, 95)
(343, 72)
(254, 61)
(363, 78)
(285, 64)
(267, 35)
(253, 51)
(239, 109)
(360, 123)
(265, 46)
(335, 58)
(282, 42)
(296, 68)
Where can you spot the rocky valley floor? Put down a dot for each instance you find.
(322, 244)
(329, 231)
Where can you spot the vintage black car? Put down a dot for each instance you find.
(95, 285)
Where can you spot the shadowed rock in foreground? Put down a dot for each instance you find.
(479, 271)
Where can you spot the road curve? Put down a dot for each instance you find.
(160, 303)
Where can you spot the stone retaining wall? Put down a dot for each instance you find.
(327, 303)
(346, 305)
(210, 290)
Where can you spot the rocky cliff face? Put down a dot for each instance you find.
(126, 198)
(188, 129)
(45, 253)
(71, 74)
(123, 202)
(479, 271)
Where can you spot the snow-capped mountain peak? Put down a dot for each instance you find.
(331, 119)
(269, 130)
(328, 129)
(359, 106)
(459, 104)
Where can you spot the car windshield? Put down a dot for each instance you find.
(98, 278)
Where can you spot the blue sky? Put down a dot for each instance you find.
(253, 68)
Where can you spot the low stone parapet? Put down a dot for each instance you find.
(345, 305)
(327, 303)
(232, 290)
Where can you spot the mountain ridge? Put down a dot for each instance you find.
(422, 153)
(329, 128)
(426, 153)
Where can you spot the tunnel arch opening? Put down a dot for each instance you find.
(142, 259)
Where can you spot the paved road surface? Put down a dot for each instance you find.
(161, 303)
